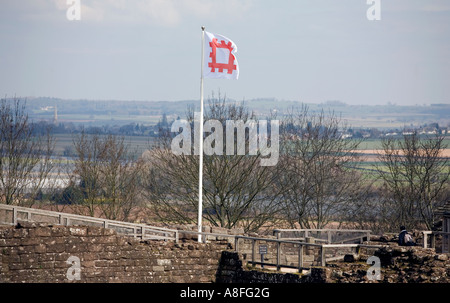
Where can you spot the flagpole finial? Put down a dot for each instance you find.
(203, 28)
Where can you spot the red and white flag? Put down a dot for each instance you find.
(220, 61)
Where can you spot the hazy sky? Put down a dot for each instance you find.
(309, 50)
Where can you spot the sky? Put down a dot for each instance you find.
(303, 50)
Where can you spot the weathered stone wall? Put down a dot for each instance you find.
(38, 253)
(41, 254)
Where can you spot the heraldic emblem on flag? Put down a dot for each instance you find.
(220, 61)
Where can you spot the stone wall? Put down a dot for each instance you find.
(36, 253)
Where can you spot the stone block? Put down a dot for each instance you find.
(55, 248)
(177, 279)
(40, 248)
(94, 231)
(140, 263)
(108, 231)
(95, 248)
(158, 268)
(76, 248)
(111, 248)
(195, 254)
(59, 231)
(78, 231)
(441, 257)
(163, 262)
(41, 232)
(30, 241)
(107, 239)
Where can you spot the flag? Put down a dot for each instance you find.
(220, 61)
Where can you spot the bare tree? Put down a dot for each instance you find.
(370, 211)
(105, 177)
(120, 175)
(415, 176)
(319, 180)
(25, 158)
(237, 190)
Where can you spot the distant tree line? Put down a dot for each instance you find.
(131, 129)
(140, 129)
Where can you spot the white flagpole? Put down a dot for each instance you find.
(200, 165)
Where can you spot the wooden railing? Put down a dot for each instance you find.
(11, 215)
(432, 235)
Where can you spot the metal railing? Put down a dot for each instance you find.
(12, 214)
(329, 236)
(301, 247)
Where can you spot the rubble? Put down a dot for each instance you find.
(398, 265)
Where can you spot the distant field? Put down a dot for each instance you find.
(375, 144)
(105, 119)
(136, 144)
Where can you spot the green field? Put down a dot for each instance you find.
(374, 144)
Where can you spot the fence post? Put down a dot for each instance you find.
(300, 258)
(425, 240)
(236, 242)
(276, 233)
(329, 236)
(253, 251)
(278, 251)
(278, 254)
(322, 256)
(14, 215)
(142, 232)
(310, 250)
